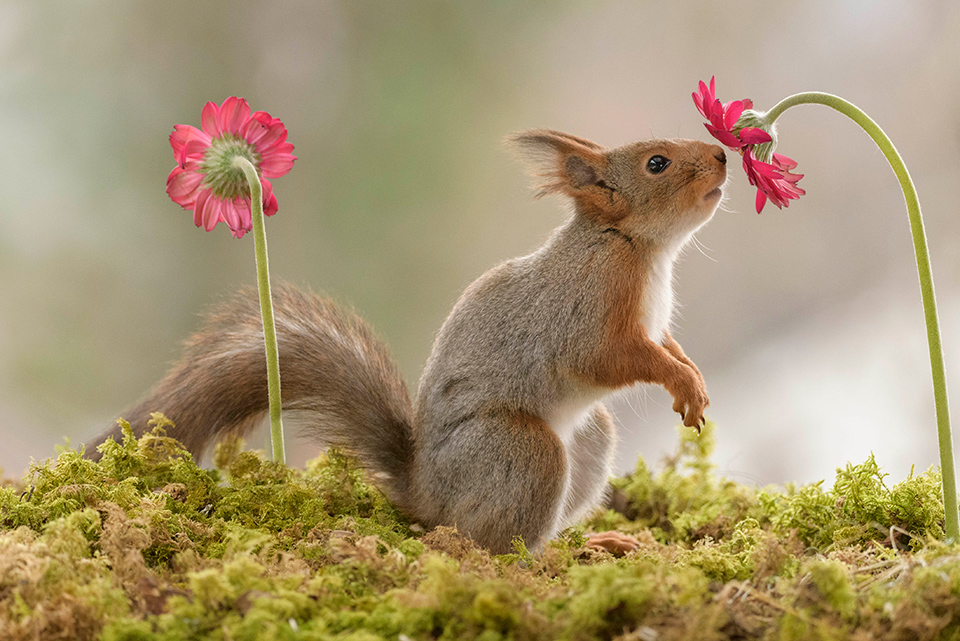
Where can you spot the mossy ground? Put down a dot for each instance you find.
(146, 545)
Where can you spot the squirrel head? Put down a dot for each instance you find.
(659, 190)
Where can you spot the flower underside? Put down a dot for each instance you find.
(206, 179)
(224, 178)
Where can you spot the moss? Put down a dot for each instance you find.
(686, 501)
(608, 598)
(860, 508)
(831, 580)
(147, 545)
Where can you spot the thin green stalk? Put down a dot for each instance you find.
(266, 306)
(951, 512)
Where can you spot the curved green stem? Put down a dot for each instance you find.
(266, 306)
(951, 513)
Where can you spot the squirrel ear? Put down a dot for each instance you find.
(569, 163)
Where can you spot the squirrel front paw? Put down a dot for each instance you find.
(690, 397)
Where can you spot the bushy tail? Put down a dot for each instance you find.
(337, 379)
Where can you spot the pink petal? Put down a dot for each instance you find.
(255, 125)
(270, 206)
(254, 131)
(199, 206)
(706, 92)
(789, 186)
(183, 185)
(747, 103)
(732, 114)
(725, 137)
(281, 148)
(761, 200)
(758, 167)
(194, 149)
(716, 114)
(237, 216)
(193, 164)
(777, 199)
(277, 164)
(181, 135)
(233, 115)
(703, 99)
(784, 162)
(208, 119)
(209, 210)
(281, 145)
(266, 135)
(698, 103)
(214, 210)
(754, 136)
(748, 161)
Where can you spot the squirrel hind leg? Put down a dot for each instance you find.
(591, 454)
(591, 461)
(506, 477)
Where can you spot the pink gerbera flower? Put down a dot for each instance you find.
(206, 179)
(723, 118)
(728, 124)
(773, 180)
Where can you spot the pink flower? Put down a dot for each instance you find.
(723, 118)
(206, 179)
(773, 180)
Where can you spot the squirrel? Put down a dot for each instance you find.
(508, 435)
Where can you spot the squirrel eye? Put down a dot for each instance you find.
(657, 164)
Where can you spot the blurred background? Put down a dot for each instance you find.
(806, 322)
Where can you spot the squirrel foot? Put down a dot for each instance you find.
(690, 400)
(616, 543)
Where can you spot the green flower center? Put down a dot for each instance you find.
(225, 179)
(751, 118)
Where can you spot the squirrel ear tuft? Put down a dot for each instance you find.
(568, 163)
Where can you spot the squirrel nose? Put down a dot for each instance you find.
(721, 156)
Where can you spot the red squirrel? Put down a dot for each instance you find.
(508, 435)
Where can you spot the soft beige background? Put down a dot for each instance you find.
(806, 322)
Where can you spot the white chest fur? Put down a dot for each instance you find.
(657, 306)
(570, 414)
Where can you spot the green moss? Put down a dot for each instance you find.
(860, 508)
(729, 559)
(147, 545)
(831, 579)
(686, 501)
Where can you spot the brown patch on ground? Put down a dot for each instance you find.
(449, 541)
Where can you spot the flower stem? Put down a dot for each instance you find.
(951, 513)
(266, 306)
